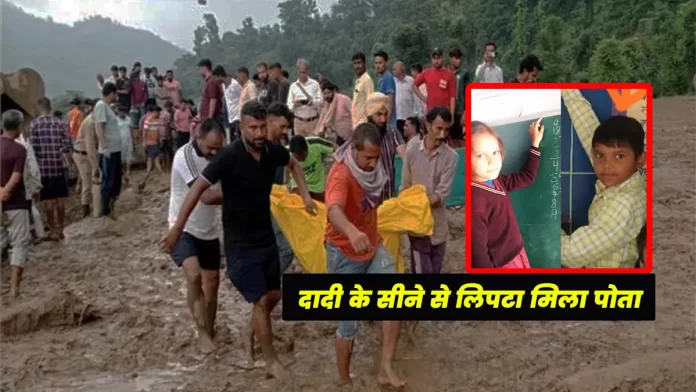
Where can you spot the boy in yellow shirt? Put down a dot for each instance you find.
(617, 214)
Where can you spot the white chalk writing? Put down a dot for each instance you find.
(556, 172)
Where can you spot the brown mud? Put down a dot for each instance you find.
(105, 311)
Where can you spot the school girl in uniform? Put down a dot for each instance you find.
(496, 241)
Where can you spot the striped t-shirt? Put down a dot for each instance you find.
(187, 166)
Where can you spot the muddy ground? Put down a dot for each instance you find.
(104, 311)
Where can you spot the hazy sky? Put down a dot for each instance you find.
(172, 19)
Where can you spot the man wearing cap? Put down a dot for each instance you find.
(439, 82)
(377, 109)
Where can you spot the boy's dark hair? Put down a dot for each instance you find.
(75, 101)
(114, 68)
(279, 109)
(495, 47)
(219, 71)
(211, 125)
(169, 71)
(382, 54)
(416, 123)
(160, 78)
(147, 70)
(123, 68)
(439, 111)
(205, 63)
(529, 63)
(456, 53)
(327, 85)
(58, 114)
(255, 109)
(366, 132)
(298, 145)
(359, 56)
(137, 64)
(262, 65)
(168, 105)
(190, 102)
(156, 109)
(275, 66)
(286, 74)
(108, 89)
(417, 67)
(243, 70)
(621, 131)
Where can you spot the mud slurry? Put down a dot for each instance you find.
(141, 337)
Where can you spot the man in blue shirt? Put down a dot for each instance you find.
(387, 84)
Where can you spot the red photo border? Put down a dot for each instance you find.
(649, 172)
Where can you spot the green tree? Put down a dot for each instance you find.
(609, 62)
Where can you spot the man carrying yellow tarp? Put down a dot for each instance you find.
(353, 243)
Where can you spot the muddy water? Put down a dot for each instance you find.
(138, 335)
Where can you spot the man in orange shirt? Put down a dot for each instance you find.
(353, 245)
(75, 118)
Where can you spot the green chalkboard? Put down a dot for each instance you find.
(456, 196)
(538, 206)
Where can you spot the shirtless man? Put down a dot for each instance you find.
(245, 170)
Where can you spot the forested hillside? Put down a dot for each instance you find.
(68, 58)
(580, 40)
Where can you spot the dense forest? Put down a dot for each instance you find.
(582, 40)
(68, 58)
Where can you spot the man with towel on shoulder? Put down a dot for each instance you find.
(353, 244)
(377, 110)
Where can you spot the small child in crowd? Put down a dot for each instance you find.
(617, 214)
(496, 240)
(310, 152)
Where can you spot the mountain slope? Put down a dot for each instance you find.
(68, 58)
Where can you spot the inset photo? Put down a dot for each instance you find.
(558, 179)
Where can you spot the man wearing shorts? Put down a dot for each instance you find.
(353, 244)
(49, 139)
(245, 170)
(198, 248)
(14, 224)
(151, 142)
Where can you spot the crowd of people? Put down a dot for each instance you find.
(247, 134)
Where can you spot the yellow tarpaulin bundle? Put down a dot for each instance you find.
(409, 212)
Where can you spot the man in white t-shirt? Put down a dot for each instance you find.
(232, 91)
(198, 248)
